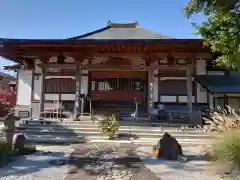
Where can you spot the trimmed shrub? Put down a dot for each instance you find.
(7, 155)
(27, 150)
(5, 152)
(110, 126)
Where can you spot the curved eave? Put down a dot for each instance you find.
(59, 42)
(7, 46)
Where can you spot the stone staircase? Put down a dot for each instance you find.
(67, 131)
(122, 111)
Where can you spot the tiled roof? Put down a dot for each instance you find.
(122, 32)
(220, 83)
(5, 79)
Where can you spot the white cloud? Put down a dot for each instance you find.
(5, 62)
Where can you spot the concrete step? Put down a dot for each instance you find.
(94, 131)
(146, 141)
(97, 128)
(153, 141)
(126, 130)
(122, 114)
(54, 140)
(117, 112)
(58, 123)
(104, 110)
(58, 133)
(128, 107)
(91, 125)
(143, 123)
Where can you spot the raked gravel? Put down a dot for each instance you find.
(37, 167)
(196, 169)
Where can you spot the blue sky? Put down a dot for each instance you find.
(65, 18)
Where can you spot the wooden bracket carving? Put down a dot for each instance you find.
(148, 60)
(44, 59)
(171, 60)
(61, 59)
(27, 63)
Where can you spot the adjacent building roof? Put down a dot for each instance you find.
(6, 95)
(220, 83)
(5, 79)
(14, 67)
(122, 32)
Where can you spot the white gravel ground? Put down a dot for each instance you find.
(175, 170)
(37, 167)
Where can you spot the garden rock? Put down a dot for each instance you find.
(169, 148)
(18, 141)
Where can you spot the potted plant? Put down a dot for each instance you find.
(110, 126)
(155, 152)
(137, 101)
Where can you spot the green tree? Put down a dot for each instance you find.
(221, 31)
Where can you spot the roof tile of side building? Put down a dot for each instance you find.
(220, 83)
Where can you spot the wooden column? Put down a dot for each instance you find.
(189, 90)
(42, 98)
(225, 100)
(78, 91)
(158, 85)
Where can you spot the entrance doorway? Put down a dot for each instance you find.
(122, 86)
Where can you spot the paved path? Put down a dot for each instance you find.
(107, 162)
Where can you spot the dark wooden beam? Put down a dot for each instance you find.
(91, 54)
(113, 67)
(94, 67)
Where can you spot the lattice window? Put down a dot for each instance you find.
(118, 84)
(60, 86)
(174, 87)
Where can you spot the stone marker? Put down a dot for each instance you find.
(9, 127)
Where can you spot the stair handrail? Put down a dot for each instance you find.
(91, 98)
